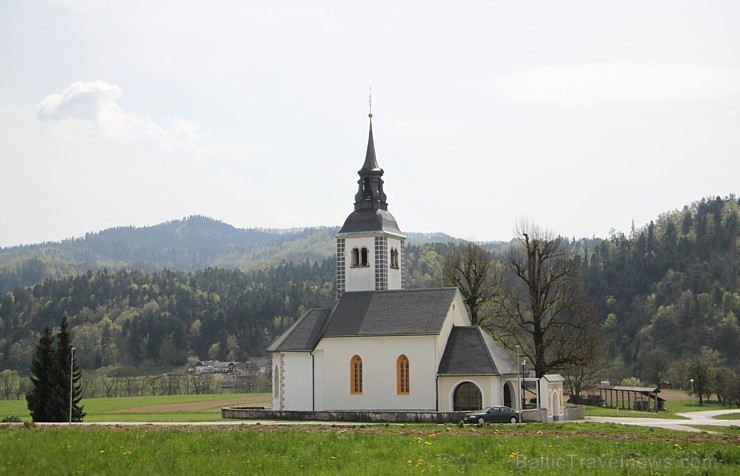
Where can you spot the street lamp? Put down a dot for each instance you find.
(519, 383)
(692, 391)
(71, 380)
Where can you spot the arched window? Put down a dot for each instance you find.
(355, 375)
(355, 257)
(363, 258)
(394, 258)
(402, 375)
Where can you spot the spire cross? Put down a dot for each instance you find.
(370, 100)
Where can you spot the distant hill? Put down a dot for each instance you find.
(190, 244)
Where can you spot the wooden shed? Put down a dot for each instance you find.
(644, 399)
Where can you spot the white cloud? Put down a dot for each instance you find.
(93, 107)
(600, 83)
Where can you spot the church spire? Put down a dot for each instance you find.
(370, 194)
(371, 162)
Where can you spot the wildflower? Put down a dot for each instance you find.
(427, 442)
(102, 451)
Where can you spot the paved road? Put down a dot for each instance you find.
(695, 418)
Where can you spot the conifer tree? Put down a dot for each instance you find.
(39, 397)
(64, 365)
(49, 398)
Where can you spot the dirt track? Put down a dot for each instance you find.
(184, 407)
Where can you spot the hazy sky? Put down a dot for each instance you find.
(580, 116)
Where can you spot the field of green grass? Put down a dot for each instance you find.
(676, 402)
(731, 416)
(158, 409)
(402, 449)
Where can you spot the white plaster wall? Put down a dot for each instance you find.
(298, 386)
(275, 391)
(379, 355)
(359, 278)
(318, 363)
(457, 315)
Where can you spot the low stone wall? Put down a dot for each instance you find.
(575, 413)
(536, 415)
(400, 416)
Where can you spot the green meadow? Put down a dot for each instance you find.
(162, 408)
(394, 449)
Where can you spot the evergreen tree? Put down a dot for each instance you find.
(48, 399)
(39, 397)
(64, 365)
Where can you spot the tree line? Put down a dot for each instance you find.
(664, 297)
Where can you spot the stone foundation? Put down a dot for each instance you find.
(379, 416)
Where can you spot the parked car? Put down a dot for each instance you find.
(494, 415)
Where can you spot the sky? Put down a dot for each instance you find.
(580, 117)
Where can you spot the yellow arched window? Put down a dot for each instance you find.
(355, 375)
(402, 375)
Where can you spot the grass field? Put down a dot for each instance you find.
(731, 416)
(677, 401)
(406, 449)
(159, 408)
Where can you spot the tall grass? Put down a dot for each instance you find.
(373, 450)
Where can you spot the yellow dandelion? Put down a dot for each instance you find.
(102, 451)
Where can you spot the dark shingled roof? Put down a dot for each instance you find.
(303, 335)
(395, 312)
(371, 221)
(471, 351)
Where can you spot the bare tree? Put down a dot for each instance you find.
(473, 271)
(542, 308)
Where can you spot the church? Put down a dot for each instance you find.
(383, 347)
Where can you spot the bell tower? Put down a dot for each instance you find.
(370, 244)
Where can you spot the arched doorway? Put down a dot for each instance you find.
(507, 395)
(467, 397)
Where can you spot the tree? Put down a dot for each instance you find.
(8, 382)
(541, 307)
(65, 365)
(702, 369)
(472, 270)
(49, 397)
(39, 397)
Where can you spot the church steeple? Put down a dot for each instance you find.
(370, 193)
(369, 244)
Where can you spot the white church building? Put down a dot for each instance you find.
(382, 347)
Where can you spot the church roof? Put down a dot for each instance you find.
(471, 351)
(394, 312)
(368, 220)
(303, 335)
(403, 312)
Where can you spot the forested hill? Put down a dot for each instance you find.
(669, 291)
(194, 243)
(664, 293)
